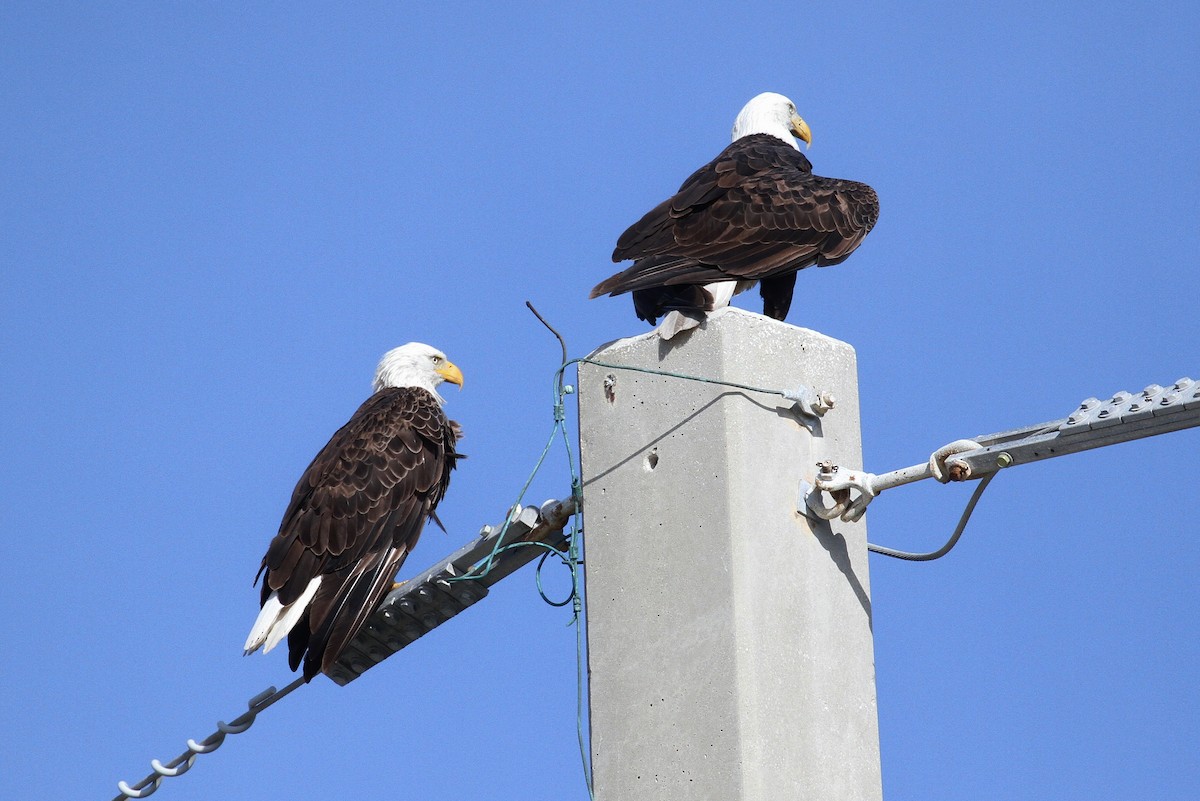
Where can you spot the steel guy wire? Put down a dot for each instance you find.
(183, 763)
(950, 543)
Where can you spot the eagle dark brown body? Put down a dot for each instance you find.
(754, 213)
(355, 515)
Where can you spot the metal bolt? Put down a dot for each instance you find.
(1004, 459)
(823, 403)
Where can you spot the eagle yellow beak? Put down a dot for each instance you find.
(800, 128)
(450, 373)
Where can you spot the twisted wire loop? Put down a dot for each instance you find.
(183, 763)
(537, 574)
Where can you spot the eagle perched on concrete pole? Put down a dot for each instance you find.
(357, 512)
(755, 213)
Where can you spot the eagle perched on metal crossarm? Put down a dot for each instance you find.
(357, 512)
(755, 213)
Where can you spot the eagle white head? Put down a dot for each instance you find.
(416, 365)
(774, 114)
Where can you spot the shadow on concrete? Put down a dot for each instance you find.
(835, 544)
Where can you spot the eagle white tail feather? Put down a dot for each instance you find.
(676, 322)
(680, 320)
(723, 291)
(266, 617)
(275, 620)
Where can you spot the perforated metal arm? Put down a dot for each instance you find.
(1094, 424)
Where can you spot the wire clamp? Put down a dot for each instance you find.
(809, 402)
(839, 484)
(853, 490)
(952, 470)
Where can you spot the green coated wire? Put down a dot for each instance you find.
(580, 656)
(537, 576)
(573, 550)
(560, 390)
(483, 568)
(573, 557)
(669, 374)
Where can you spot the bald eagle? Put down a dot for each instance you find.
(357, 512)
(755, 213)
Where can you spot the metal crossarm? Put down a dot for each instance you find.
(410, 611)
(1094, 424)
(429, 599)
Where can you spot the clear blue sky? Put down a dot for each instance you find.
(216, 218)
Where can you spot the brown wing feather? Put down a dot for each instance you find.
(354, 516)
(754, 212)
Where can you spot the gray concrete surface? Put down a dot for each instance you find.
(729, 639)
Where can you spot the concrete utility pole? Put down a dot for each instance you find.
(729, 638)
